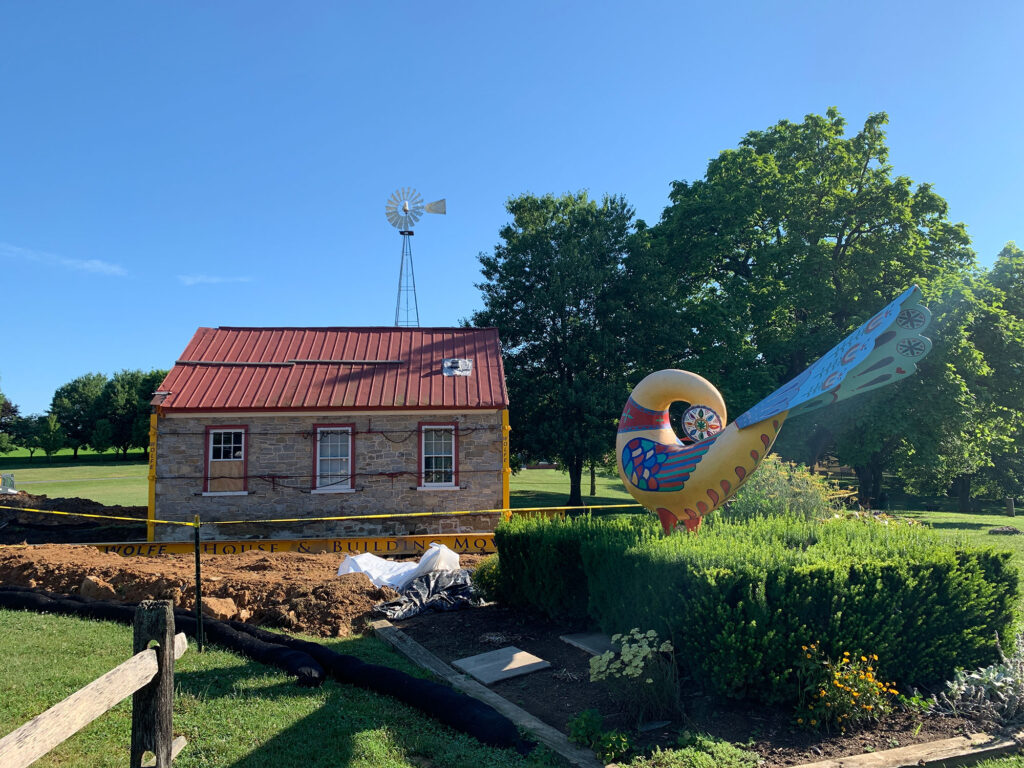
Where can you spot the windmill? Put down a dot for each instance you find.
(403, 209)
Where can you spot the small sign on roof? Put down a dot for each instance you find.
(456, 366)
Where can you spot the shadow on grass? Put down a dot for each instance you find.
(524, 499)
(962, 526)
(40, 462)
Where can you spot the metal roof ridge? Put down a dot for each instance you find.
(392, 328)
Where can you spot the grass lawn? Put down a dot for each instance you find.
(115, 483)
(550, 488)
(233, 712)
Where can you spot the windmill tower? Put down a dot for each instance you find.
(403, 209)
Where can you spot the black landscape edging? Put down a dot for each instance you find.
(307, 661)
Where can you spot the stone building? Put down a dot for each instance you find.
(268, 423)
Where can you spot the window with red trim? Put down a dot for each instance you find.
(437, 456)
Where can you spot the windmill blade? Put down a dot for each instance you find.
(438, 206)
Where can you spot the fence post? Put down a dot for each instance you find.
(200, 639)
(152, 704)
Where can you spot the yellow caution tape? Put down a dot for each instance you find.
(405, 514)
(504, 511)
(101, 517)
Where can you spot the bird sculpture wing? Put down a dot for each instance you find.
(883, 350)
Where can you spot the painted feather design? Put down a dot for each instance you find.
(652, 466)
(883, 350)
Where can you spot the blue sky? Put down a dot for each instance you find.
(165, 166)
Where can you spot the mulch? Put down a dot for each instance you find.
(558, 694)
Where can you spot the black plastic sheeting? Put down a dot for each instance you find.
(433, 591)
(307, 661)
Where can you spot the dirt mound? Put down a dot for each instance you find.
(295, 591)
(61, 504)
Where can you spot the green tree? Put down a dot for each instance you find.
(1004, 349)
(554, 289)
(144, 397)
(74, 404)
(51, 435)
(25, 432)
(125, 404)
(118, 404)
(8, 413)
(101, 439)
(787, 244)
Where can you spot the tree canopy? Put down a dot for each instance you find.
(553, 289)
(787, 244)
(74, 405)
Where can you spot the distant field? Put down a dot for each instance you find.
(19, 457)
(116, 483)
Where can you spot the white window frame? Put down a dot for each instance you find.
(244, 458)
(228, 432)
(340, 487)
(451, 429)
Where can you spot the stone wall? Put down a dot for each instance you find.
(280, 467)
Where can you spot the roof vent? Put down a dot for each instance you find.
(456, 366)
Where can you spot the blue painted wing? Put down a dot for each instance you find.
(652, 466)
(883, 350)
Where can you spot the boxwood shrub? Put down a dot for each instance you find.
(542, 560)
(739, 599)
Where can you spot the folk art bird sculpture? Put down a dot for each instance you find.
(683, 482)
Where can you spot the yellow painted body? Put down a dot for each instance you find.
(733, 455)
(506, 468)
(151, 512)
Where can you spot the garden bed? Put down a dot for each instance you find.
(558, 694)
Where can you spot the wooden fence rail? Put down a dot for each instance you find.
(148, 676)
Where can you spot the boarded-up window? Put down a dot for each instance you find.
(226, 460)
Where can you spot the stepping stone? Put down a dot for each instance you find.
(593, 643)
(501, 664)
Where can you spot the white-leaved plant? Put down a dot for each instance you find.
(993, 694)
(641, 657)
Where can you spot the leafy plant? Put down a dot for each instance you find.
(782, 488)
(585, 728)
(840, 693)
(487, 578)
(698, 751)
(642, 675)
(612, 746)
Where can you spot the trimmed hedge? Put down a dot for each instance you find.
(740, 599)
(542, 559)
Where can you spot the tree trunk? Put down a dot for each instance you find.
(963, 493)
(869, 483)
(593, 480)
(75, 449)
(575, 467)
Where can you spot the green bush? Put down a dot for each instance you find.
(486, 578)
(780, 488)
(740, 599)
(544, 561)
(698, 751)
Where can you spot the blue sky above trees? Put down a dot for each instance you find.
(171, 166)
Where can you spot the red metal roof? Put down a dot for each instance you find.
(227, 369)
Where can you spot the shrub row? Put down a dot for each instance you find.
(543, 560)
(739, 600)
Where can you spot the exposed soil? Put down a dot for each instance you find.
(287, 589)
(34, 528)
(302, 592)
